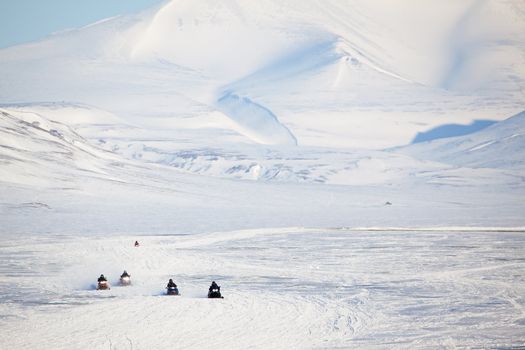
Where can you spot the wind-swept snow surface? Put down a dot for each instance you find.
(240, 117)
(283, 289)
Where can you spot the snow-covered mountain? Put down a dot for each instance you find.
(498, 146)
(267, 145)
(292, 91)
(336, 73)
(36, 150)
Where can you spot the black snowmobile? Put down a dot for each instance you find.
(214, 291)
(172, 291)
(171, 288)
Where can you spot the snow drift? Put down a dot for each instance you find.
(255, 121)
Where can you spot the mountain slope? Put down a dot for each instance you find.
(243, 141)
(37, 151)
(498, 146)
(171, 118)
(341, 73)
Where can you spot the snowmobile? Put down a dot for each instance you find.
(103, 285)
(172, 291)
(125, 281)
(215, 293)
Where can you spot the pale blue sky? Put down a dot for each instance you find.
(28, 20)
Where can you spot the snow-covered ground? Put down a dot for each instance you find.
(283, 289)
(236, 139)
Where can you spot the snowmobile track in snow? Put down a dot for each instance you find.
(284, 288)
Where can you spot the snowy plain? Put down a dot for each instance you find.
(272, 146)
(284, 288)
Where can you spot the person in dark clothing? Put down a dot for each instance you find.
(214, 286)
(136, 243)
(102, 278)
(125, 274)
(171, 284)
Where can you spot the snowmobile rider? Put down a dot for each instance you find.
(102, 278)
(125, 274)
(171, 284)
(214, 286)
